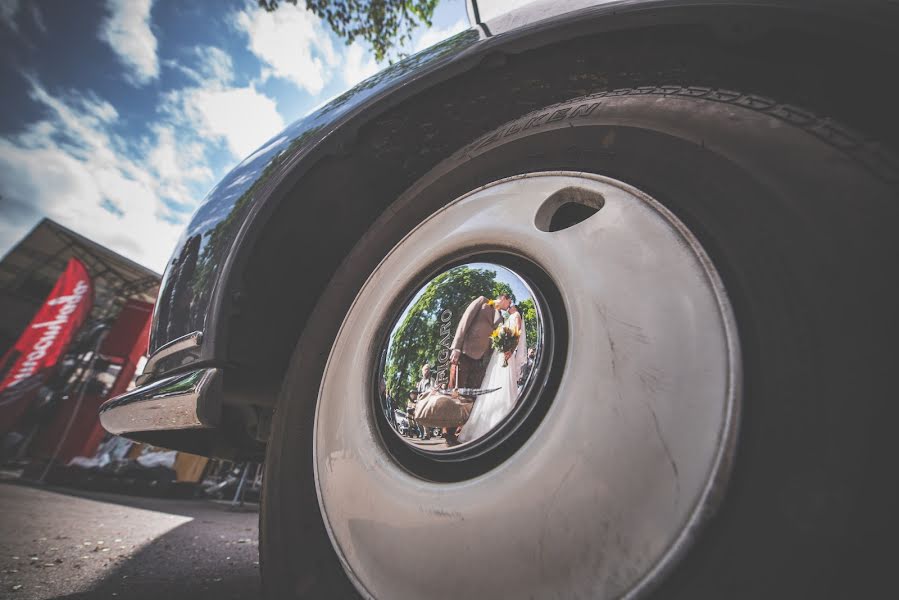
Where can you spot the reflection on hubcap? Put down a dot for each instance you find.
(461, 356)
(600, 495)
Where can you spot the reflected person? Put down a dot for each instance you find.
(472, 340)
(528, 366)
(425, 383)
(492, 408)
(471, 349)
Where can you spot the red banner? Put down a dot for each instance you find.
(44, 341)
(123, 346)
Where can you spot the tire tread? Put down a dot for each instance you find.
(874, 156)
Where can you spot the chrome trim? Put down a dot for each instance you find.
(405, 348)
(167, 404)
(185, 342)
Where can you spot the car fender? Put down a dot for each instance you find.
(201, 288)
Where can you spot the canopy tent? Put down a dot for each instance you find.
(29, 271)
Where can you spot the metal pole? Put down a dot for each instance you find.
(257, 480)
(81, 391)
(238, 495)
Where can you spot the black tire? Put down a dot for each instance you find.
(798, 216)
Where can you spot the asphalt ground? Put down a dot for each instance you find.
(65, 544)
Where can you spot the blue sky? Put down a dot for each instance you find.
(118, 116)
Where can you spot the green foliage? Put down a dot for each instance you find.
(417, 340)
(529, 314)
(384, 24)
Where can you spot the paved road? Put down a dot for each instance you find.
(82, 545)
(434, 443)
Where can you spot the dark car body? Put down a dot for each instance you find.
(252, 261)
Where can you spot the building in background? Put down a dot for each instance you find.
(64, 442)
(29, 271)
(48, 411)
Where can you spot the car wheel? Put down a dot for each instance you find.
(714, 275)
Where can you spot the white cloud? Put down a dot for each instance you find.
(127, 31)
(101, 110)
(8, 11)
(215, 64)
(134, 195)
(177, 163)
(431, 36)
(243, 117)
(77, 124)
(358, 64)
(217, 110)
(38, 17)
(292, 43)
(211, 64)
(73, 168)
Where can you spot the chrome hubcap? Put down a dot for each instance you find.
(612, 484)
(464, 357)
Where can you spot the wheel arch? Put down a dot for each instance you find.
(284, 257)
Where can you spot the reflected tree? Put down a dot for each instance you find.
(529, 314)
(384, 24)
(221, 238)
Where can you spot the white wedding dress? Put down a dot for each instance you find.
(491, 408)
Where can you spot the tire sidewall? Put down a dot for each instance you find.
(767, 198)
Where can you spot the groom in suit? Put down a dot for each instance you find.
(470, 347)
(472, 341)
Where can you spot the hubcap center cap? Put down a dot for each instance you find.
(462, 358)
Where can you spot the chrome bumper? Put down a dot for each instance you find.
(167, 404)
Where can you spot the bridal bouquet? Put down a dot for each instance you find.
(505, 339)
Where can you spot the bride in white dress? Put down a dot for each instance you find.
(491, 408)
